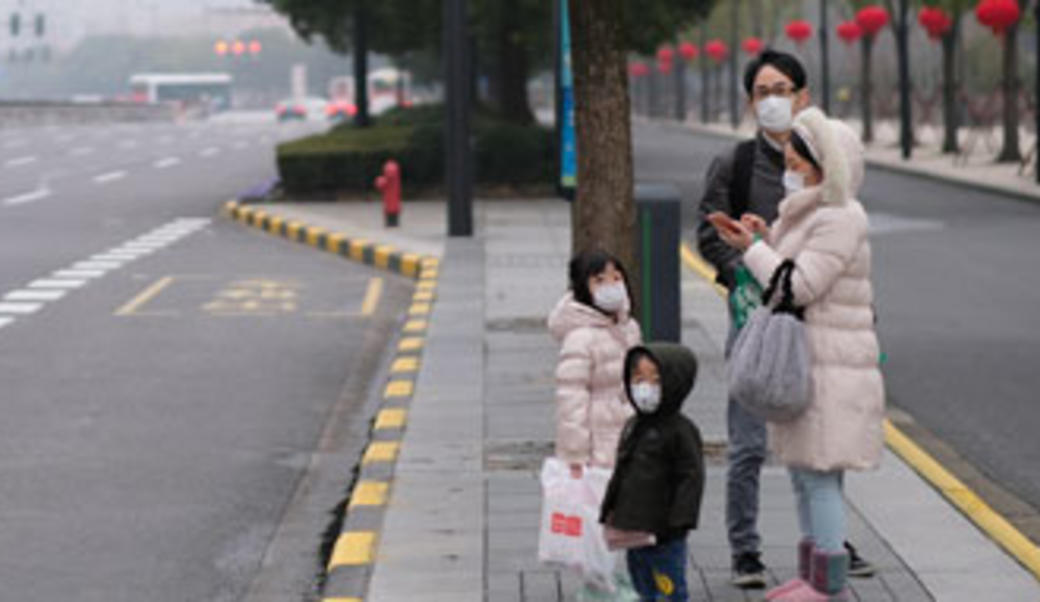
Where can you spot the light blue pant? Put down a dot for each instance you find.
(821, 507)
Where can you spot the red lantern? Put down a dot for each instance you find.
(998, 15)
(638, 70)
(872, 19)
(664, 66)
(799, 31)
(717, 50)
(935, 20)
(665, 54)
(752, 45)
(849, 31)
(688, 51)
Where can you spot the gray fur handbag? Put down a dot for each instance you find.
(769, 365)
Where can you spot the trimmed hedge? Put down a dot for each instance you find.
(347, 160)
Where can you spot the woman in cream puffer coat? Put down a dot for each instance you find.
(593, 326)
(823, 229)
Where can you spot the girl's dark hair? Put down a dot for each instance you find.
(800, 147)
(587, 264)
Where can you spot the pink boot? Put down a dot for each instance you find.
(828, 571)
(805, 550)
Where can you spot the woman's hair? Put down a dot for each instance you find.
(587, 264)
(799, 145)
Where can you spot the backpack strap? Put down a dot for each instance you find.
(743, 170)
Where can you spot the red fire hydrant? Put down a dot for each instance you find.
(390, 185)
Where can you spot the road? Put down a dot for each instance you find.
(957, 295)
(167, 375)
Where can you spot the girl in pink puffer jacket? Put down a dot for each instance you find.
(593, 325)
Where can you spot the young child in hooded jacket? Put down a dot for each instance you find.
(654, 496)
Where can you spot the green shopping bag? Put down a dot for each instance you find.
(745, 297)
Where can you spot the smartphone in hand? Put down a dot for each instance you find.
(721, 221)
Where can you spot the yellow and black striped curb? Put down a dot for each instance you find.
(354, 553)
(385, 257)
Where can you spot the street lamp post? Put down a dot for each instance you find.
(458, 167)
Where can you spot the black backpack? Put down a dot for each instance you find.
(740, 185)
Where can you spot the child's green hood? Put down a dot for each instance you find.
(678, 368)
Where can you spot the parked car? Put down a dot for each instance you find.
(301, 109)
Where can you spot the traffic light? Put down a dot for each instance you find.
(221, 48)
(255, 47)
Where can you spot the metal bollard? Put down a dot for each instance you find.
(658, 221)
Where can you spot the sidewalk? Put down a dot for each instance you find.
(462, 519)
(975, 169)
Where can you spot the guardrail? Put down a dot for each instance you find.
(36, 113)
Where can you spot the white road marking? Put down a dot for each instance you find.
(28, 197)
(79, 151)
(121, 257)
(78, 273)
(111, 176)
(96, 265)
(4, 321)
(34, 295)
(20, 161)
(167, 162)
(19, 308)
(209, 152)
(51, 283)
(888, 223)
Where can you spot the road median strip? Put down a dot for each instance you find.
(984, 517)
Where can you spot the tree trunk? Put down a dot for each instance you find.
(705, 77)
(951, 118)
(361, 118)
(1010, 153)
(603, 213)
(680, 90)
(756, 18)
(906, 132)
(511, 90)
(866, 89)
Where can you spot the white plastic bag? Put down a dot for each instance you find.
(570, 534)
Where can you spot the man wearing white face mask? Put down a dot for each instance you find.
(750, 179)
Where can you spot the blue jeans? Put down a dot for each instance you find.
(659, 572)
(747, 454)
(821, 507)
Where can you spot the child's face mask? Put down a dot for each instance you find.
(646, 396)
(611, 297)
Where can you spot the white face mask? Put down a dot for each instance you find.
(647, 397)
(611, 297)
(775, 113)
(794, 181)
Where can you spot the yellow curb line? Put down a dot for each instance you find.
(381, 451)
(960, 495)
(369, 493)
(398, 388)
(405, 365)
(978, 511)
(411, 344)
(352, 548)
(391, 418)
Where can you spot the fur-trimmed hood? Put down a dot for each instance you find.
(837, 149)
